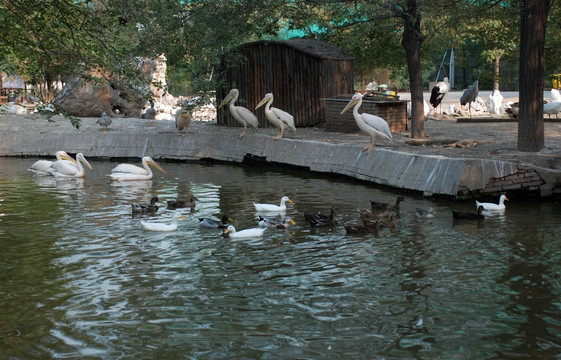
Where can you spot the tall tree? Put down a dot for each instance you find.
(533, 16)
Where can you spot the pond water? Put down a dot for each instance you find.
(80, 278)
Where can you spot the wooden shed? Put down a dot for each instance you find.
(299, 73)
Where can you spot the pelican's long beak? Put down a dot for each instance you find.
(227, 99)
(156, 166)
(351, 103)
(86, 163)
(263, 102)
(68, 157)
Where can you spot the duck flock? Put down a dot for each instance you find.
(379, 216)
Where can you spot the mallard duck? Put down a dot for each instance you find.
(68, 169)
(276, 223)
(425, 214)
(491, 206)
(319, 219)
(128, 172)
(368, 213)
(385, 206)
(177, 204)
(43, 167)
(152, 226)
(247, 233)
(357, 229)
(145, 208)
(273, 208)
(390, 224)
(104, 121)
(216, 224)
(467, 216)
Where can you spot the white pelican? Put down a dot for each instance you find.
(43, 167)
(241, 114)
(153, 226)
(371, 124)
(492, 206)
(277, 117)
(271, 207)
(247, 233)
(104, 121)
(128, 172)
(68, 169)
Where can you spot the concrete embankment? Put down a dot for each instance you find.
(442, 166)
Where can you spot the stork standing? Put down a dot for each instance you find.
(241, 114)
(438, 92)
(470, 94)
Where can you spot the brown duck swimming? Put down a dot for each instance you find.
(317, 220)
(177, 204)
(146, 208)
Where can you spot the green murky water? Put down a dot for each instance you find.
(80, 278)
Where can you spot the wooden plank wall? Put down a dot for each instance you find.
(297, 81)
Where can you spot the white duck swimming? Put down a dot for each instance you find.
(43, 167)
(68, 169)
(128, 172)
(493, 206)
(273, 208)
(153, 226)
(247, 233)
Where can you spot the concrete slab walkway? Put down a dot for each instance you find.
(456, 160)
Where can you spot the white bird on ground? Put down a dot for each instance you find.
(470, 94)
(104, 121)
(555, 95)
(552, 108)
(241, 114)
(492, 206)
(183, 118)
(128, 172)
(371, 124)
(247, 233)
(495, 102)
(279, 118)
(43, 167)
(154, 226)
(437, 93)
(273, 208)
(68, 169)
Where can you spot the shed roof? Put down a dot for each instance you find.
(311, 47)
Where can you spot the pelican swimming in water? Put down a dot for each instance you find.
(371, 124)
(281, 119)
(43, 167)
(68, 169)
(128, 172)
(241, 114)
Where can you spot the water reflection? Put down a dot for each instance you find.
(82, 279)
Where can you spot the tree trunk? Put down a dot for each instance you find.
(496, 70)
(412, 42)
(533, 16)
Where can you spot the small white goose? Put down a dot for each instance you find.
(271, 207)
(247, 233)
(153, 226)
(492, 206)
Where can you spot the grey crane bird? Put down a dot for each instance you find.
(470, 94)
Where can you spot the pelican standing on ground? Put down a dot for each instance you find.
(371, 124)
(128, 172)
(68, 169)
(277, 117)
(43, 167)
(241, 114)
